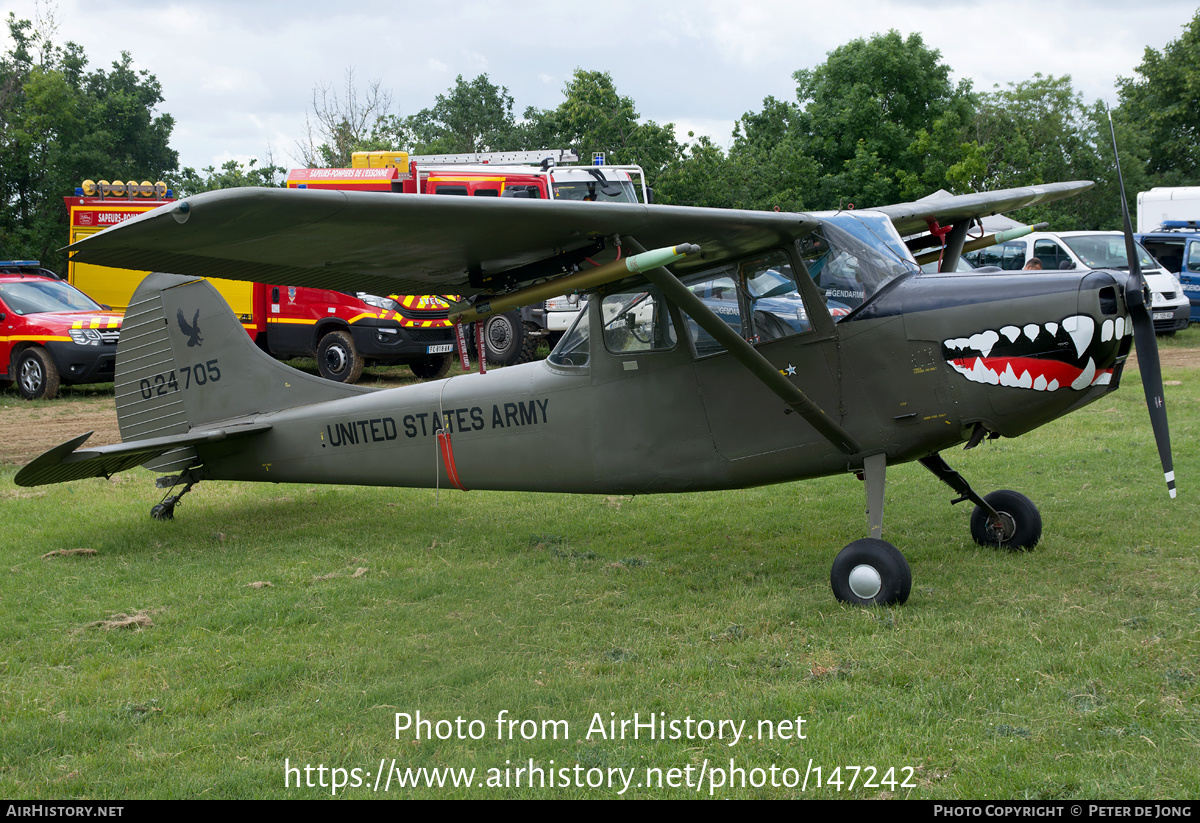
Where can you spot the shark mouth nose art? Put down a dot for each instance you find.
(1075, 352)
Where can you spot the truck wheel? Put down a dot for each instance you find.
(529, 348)
(504, 338)
(37, 376)
(431, 368)
(337, 359)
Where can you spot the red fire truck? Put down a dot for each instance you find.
(342, 331)
(522, 174)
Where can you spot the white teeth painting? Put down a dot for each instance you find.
(1036, 359)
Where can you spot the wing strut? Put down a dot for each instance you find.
(749, 357)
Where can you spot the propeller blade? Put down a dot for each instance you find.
(1143, 335)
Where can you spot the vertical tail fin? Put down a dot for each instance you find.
(184, 361)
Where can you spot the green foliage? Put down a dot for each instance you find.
(232, 174)
(595, 118)
(1164, 101)
(1043, 131)
(878, 122)
(61, 124)
(871, 113)
(475, 116)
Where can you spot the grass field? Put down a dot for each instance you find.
(273, 625)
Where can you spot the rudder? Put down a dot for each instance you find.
(185, 361)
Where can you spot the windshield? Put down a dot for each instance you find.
(593, 185)
(1106, 251)
(34, 296)
(855, 254)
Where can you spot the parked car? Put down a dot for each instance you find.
(1093, 250)
(51, 333)
(25, 267)
(1176, 245)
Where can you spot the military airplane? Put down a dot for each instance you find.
(681, 374)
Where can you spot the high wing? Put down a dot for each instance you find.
(405, 243)
(426, 244)
(910, 218)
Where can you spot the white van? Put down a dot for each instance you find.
(1093, 250)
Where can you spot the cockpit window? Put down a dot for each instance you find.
(758, 298)
(573, 348)
(636, 322)
(853, 255)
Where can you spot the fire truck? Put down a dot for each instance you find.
(342, 331)
(522, 174)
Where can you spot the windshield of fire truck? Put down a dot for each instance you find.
(35, 296)
(855, 254)
(593, 185)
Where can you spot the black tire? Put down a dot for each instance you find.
(504, 338)
(1023, 522)
(529, 347)
(337, 359)
(871, 572)
(431, 368)
(37, 376)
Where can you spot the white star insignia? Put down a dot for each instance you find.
(790, 371)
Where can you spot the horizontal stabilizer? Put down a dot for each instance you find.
(910, 218)
(63, 463)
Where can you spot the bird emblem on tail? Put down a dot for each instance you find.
(192, 330)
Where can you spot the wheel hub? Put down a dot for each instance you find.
(865, 581)
(31, 376)
(335, 359)
(499, 334)
(1004, 531)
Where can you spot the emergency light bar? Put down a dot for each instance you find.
(117, 188)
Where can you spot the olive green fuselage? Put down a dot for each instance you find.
(901, 377)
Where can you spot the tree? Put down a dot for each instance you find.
(1163, 100)
(862, 113)
(345, 122)
(595, 118)
(1043, 131)
(472, 117)
(232, 174)
(60, 124)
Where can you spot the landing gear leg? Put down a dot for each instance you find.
(166, 509)
(1004, 519)
(871, 571)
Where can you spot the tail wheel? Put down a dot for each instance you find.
(1020, 525)
(431, 368)
(37, 376)
(871, 572)
(338, 359)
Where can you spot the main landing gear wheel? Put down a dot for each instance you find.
(1021, 522)
(337, 359)
(871, 572)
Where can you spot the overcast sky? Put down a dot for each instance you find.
(238, 77)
